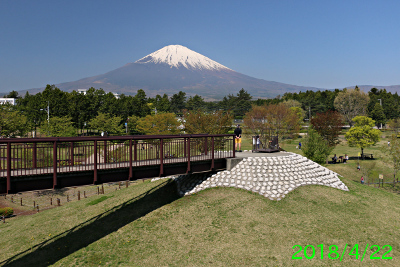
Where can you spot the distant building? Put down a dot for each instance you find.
(8, 100)
(82, 91)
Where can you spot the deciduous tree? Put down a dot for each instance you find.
(351, 103)
(198, 121)
(12, 123)
(363, 135)
(58, 127)
(329, 126)
(159, 124)
(391, 154)
(395, 125)
(107, 123)
(272, 120)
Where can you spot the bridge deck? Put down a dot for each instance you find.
(57, 157)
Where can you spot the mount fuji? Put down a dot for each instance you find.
(176, 68)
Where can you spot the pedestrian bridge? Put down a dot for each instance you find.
(44, 163)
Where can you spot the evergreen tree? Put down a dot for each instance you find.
(315, 148)
(378, 115)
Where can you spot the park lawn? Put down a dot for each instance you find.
(148, 225)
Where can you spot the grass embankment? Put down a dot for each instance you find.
(148, 225)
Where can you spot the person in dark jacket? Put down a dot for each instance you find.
(238, 138)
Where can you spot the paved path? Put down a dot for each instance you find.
(250, 154)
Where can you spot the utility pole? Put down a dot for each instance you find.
(48, 112)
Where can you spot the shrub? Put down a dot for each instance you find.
(315, 147)
(7, 211)
(96, 201)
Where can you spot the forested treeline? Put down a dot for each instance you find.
(78, 109)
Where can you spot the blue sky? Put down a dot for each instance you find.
(325, 44)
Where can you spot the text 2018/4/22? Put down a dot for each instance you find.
(309, 252)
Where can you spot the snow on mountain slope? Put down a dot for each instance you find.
(178, 55)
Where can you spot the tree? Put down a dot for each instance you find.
(378, 115)
(272, 120)
(107, 123)
(329, 126)
(195, 102)
(12, 123)
(132, 124)
(56, 100)
(140, 104)
(161, 103)
(198, 121)
(239, 104)
(158, 124)
(391, 154)
(13, 94)
(58, 127)
(315, 148)
(177, 102)
(363, 135)
(351, 103)
(395, 125)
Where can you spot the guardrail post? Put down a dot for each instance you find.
(206, 146)
(233, 147)
(212, 153)
(161, 157)
(188, 154)
(54, 164)
(130, 159)
(184, 147)
(72, 154)
(105, 151)
(135, 151)
(95, 163)
(34, 155)
(8, 167)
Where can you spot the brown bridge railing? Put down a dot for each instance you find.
(23, 157)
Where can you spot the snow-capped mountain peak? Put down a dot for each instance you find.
(180, 56)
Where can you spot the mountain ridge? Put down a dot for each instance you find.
(176, 68)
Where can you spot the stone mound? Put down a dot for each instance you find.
(272, 177)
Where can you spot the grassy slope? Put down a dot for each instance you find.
(220, 227)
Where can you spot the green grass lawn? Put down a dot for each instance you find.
(148, 225)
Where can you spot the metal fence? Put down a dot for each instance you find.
(38, 156)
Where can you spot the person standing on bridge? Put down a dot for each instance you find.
(238, 138)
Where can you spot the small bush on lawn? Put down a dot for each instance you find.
(96, 201)
(6, 211)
